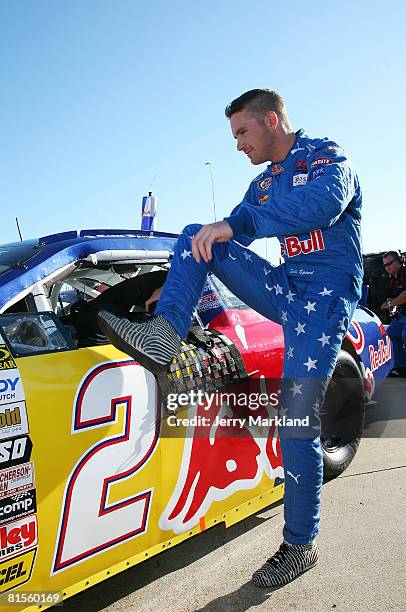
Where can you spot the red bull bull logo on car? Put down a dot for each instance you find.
(216, 464)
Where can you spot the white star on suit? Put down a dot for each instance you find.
(296, 389)
(311, 364)
(300, 328)
(324, 339)
(185, 254)
(278, 289)
(290, 352)
(326, 291)
(289, 296)
(266, 272)
(341, 323)
(247, 256)
(284, 316)
(283, 411)
(310, 307)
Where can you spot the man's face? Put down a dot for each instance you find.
(391, 265)
(254, 136)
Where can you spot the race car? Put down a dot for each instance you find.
(102, 464)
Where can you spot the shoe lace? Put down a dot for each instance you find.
(280, 555)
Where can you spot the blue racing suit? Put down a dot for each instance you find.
(311, 201)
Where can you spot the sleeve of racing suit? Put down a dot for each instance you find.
(240, 236)
(317, 204)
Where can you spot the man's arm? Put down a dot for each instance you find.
(203, 241)
(220, 232)
(397, 301)
(316, 205)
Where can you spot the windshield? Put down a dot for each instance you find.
(16, 253)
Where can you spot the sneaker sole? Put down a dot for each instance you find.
(118, 342)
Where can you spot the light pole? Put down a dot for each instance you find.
(212, 188)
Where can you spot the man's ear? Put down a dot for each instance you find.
(271, 120)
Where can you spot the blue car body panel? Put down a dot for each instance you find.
(58, 250)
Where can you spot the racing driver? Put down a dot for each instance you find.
(309, 197)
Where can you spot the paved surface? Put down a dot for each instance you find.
(362, 544)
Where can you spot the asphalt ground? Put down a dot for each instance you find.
(362, 545)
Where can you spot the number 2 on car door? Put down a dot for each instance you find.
(109, 393)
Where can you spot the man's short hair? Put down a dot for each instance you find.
(259, 102)
(393, 254)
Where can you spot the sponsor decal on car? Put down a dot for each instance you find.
(17, 506)
(207, 302)
(265, 183)
(11, 388)
(321, 160)
(13, 420)
(18, 536)
(294, 246)
(372, 358)
(382, 355)
(17, 571)
(16, 479)
(15, 451)
(6, 359)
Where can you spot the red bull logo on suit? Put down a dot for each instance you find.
(293, 246)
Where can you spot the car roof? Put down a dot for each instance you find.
(48, 254)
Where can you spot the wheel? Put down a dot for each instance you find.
(342, 416)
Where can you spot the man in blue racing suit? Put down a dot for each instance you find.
(310, 198)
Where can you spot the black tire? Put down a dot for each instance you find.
(342, 416)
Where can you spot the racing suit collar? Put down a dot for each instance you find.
(288, 160)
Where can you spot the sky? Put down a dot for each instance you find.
(102, 101)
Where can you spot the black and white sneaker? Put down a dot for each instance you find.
(290, 561)
(153, 342)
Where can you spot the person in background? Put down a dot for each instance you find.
(396, 300)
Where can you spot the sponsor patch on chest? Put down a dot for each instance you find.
(299, 179)
(265, 183)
